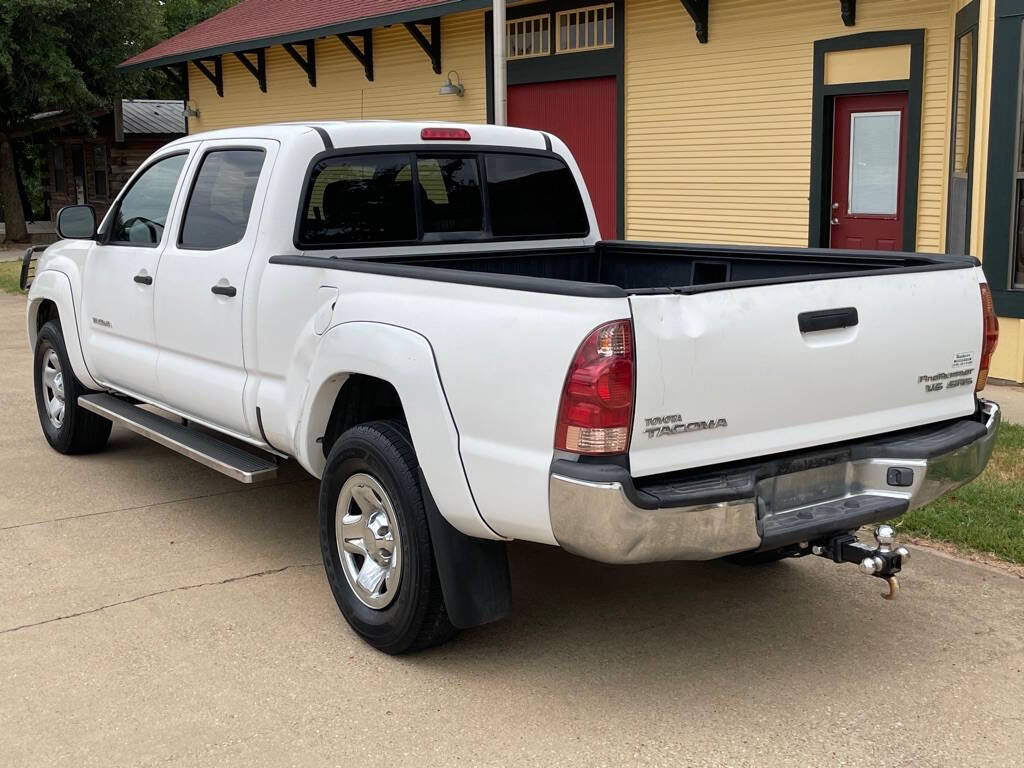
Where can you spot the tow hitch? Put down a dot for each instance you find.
(882, 561)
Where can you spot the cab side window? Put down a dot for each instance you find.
(218, 208)
(142, 212)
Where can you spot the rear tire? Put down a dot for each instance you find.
(382, 573)
(68, 427)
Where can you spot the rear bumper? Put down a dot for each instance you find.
(600, 512)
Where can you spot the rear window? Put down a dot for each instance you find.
(390, 198)
(532, 196)
(450, 196)
(360, 199)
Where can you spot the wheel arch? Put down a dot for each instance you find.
(51, 297)
(356, 365)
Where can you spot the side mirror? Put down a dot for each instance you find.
(77, 222)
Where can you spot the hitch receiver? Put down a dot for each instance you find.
(883, 561)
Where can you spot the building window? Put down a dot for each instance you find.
(529, 37)
(586, 29)
(962, 111)
(60, 177)
(1018, 192)
(99, 170)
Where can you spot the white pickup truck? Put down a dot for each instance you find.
(425, 318)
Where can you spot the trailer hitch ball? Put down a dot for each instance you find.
(882, 561)
(871, 565)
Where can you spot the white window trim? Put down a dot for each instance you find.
(543, 20)
(575, 12)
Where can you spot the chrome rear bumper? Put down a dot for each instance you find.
(599, 513)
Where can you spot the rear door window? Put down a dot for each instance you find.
(533, 196)
(218, 208)
(359, 199)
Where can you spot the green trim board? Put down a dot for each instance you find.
(607, 62)
(1002, 158)
(423, 13)
(966, 22)
(823, 96)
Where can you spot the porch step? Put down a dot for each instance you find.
(198, 446)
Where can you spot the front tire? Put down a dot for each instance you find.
(68, 427)
(375, 541)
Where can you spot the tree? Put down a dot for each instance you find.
(62, 55)
(179, 15)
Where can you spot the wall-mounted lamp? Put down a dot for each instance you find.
(190, 111)
(450, 88)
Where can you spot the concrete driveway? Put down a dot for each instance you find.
(156, 613)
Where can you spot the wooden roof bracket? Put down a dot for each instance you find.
(698, 10)
(848, 10)
(308, 62)
(176, 74)
(431, 47)
(257, 70)
(216, 76)
(364, 55)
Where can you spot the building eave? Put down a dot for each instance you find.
(354, 25)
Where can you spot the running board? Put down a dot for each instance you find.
(198, 446)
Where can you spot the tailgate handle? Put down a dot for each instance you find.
(827, 319)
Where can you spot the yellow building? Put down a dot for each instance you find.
(871, 124)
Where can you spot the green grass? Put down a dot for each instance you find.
(986, 515)
(10, 273)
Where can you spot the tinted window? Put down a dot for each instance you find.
(450, 194)
(142, 213)
(531, 196)
(359, 199)
(218, 208)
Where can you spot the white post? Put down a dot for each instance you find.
(500, 97)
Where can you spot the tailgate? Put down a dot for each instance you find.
(729, 374)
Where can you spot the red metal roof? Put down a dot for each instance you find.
(258, 23)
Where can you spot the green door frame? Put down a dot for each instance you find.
(1003, 138)
(823, 97)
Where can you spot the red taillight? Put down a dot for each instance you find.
(989, 337)
(444, 134)
(597, 401)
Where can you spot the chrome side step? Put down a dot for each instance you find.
(198, 446)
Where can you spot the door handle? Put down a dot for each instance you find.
(224, 290)
(143, 279)
(827, 319)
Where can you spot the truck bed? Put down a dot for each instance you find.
(619, 268)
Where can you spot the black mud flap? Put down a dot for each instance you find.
(474, 572)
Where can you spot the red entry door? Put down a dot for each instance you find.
(582, 114)
(868, 168)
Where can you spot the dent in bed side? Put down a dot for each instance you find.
(404, 359)
(56, 286)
